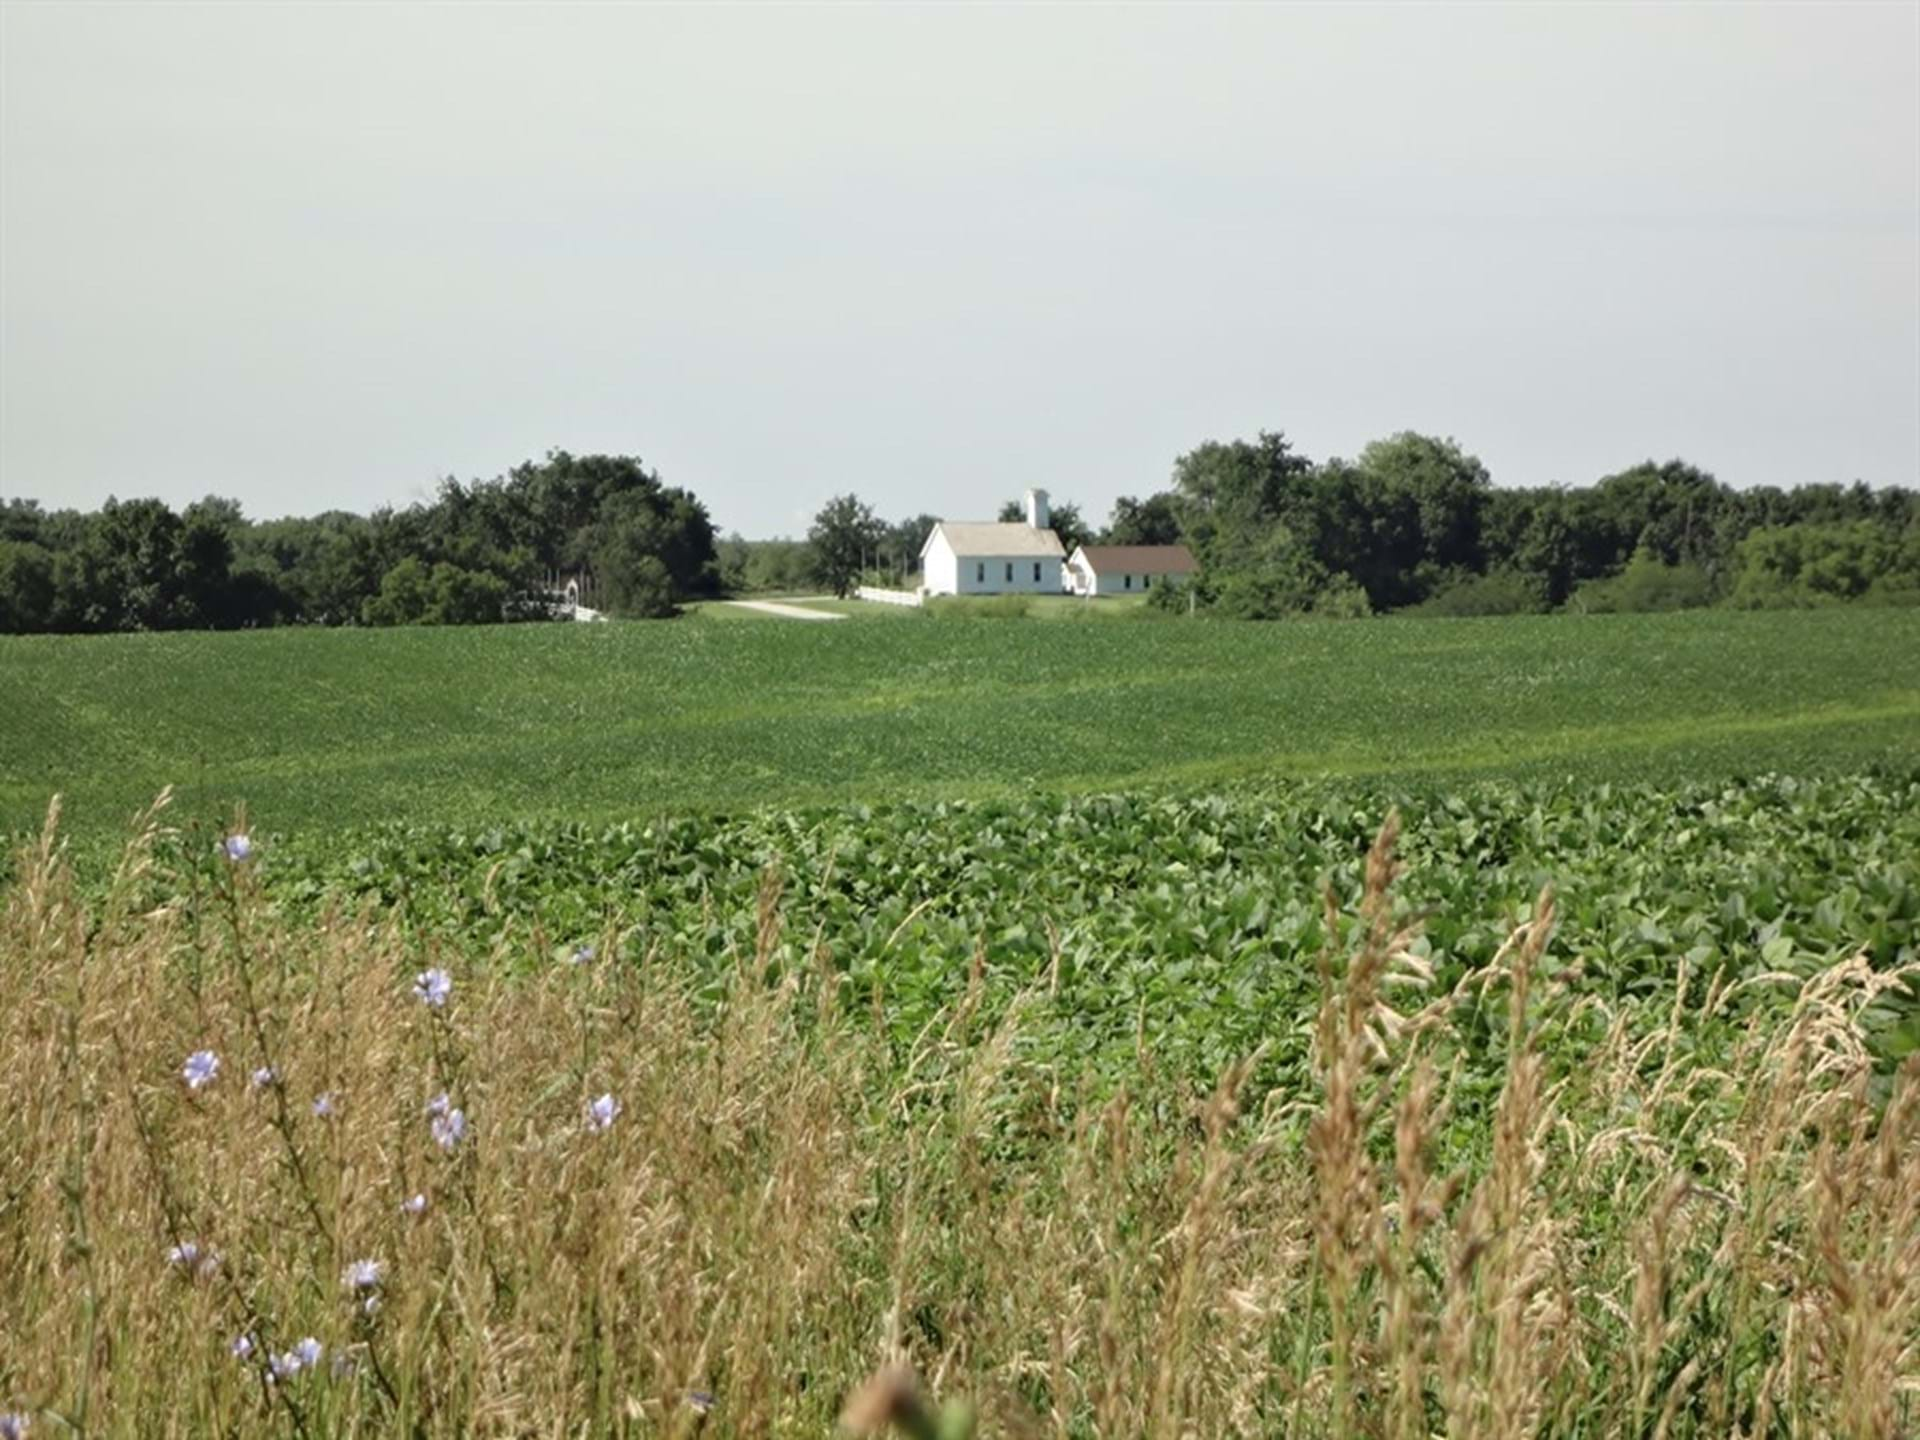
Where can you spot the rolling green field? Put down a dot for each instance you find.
(803, 989)
(317, 729)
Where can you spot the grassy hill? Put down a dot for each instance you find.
(317, 729)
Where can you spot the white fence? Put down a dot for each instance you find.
(890, 597)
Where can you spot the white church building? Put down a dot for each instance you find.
(964, 557)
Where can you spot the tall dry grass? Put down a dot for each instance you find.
(1657, 1238)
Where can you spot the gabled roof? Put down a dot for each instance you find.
(1137, 559)
(992, 541)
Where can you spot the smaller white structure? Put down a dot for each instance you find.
(890, 597)
(1126, 569)
(965, 557)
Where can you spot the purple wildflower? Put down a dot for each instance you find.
(188, 1255)
(201, 1068)
(241, 1347)
(303, 1356)
(700, 1401)
(433, 987)
(362, 1275)
(415, 1204)
(263, 1077)
(583, 954)
(449, 1127)
(602, 1113)
(325, 1104)
(239, 848)
(14, 1425)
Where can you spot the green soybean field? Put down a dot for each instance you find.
(317, 730)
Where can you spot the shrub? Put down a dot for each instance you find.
(1646, 585)
(1502, 592)
(1808, 565)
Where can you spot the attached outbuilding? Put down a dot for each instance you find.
(966, 557)
(1126, 569)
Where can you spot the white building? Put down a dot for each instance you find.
(962, 557)
(1127, 569)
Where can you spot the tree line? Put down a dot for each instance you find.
(477, 553)
(1415, 525)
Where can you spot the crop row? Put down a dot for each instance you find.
(1189, 927)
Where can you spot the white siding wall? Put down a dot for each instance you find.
(987, 575)
(1115, 583)
(944, 573)
(940, 573)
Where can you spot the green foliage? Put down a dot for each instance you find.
(1416, 516)
(844, 536)
(750, 567)
(1502, 592)
(1807, 565)
(1152, 521)
(136, 565)
(412, 594)
(630, 540)
(1646, 586)
(1191, 922)
(405, 594)
(26, 587)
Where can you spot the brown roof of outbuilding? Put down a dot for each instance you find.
(1138, 559)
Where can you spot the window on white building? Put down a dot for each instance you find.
(980, 573)
(1009, 570)
(1036, 572)
(1129, 582)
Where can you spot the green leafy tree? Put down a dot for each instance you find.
(845, 535)
(1065, 521)
(1152, 521)
(1426, 498)
(1233, 494)
(406, 593)
(633, 540)
(26, 587)
(1810, 565)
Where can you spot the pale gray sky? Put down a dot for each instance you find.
(318, 256)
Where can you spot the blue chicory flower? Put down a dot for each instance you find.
(201, 1068)
(602, 1112)
(449, 1127)
(362, 1275)
(239, 848)
(433, 987)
